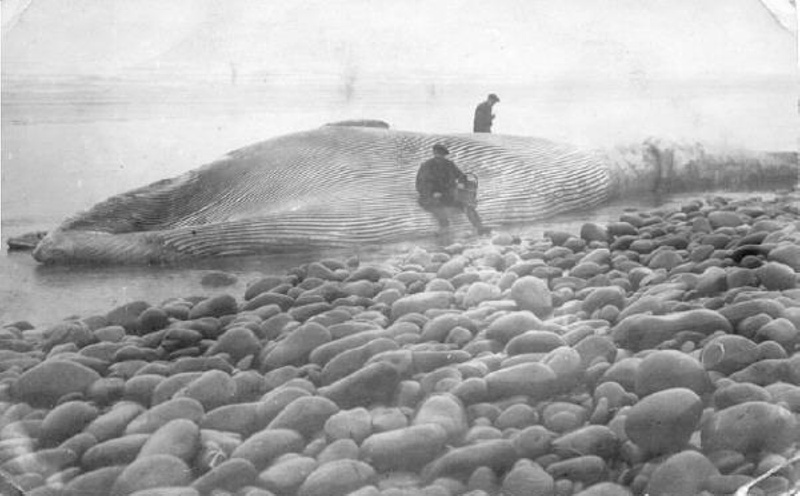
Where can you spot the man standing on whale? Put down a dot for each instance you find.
(438, 182)
(484, 116)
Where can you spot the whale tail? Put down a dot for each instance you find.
(662, 167)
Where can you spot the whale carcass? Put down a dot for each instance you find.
(348, 185)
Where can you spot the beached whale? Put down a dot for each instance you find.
(353, 184)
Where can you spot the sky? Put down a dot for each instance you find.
(509, 40)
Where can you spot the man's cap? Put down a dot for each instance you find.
(494, 97)
(440, 148)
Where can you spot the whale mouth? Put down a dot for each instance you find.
(25, 242)
(77, 247)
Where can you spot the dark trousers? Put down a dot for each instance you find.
(439, 208)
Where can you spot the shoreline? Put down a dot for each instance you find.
(95, 289)
(547, 365)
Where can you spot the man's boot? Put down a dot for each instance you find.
(475, 219)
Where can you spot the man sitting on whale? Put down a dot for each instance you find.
(438, 183)
(349, 186)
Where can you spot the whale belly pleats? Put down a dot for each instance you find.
(334, 187)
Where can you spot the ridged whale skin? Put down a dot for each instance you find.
(353, 183)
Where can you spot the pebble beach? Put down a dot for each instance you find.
(658, 354)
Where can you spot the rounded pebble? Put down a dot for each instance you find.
(446, 411)
(179, 438)
(532, 294)
(527, 477)
(407, 448)
(264, 446)
(337, 478)
(66, 420)
(750, 427)
(682, 473)
(670, 369)
(664, 421)
(306, 415)
(151, 472)
(45, 383)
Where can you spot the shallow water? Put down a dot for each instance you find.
(68, 145)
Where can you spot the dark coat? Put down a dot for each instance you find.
(483, 118)
(438, 175)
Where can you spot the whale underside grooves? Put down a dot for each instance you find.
(349, 185)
